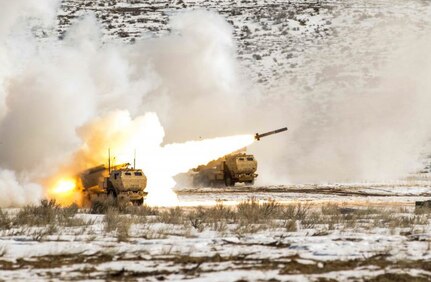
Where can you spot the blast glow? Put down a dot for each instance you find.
(144, 135)
(64, 191)
(64, 186)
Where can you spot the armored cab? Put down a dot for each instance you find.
(126, 185)
(240, 168)
(228, 170)
(118, 182)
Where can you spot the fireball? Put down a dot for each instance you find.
(64, 186)
(64, 191)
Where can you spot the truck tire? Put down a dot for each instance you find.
(195, 182)
(228, 181)
(112, 196)
(251, 182)
(85, 199)
(138, 202)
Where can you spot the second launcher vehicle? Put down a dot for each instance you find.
(237, 167)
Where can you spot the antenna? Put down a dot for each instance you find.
(134, 160)
(109, 160)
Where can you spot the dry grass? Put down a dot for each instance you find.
(112, 220)
(247, 217)
(47, 213)
(102, 206)
(296, 212)
(141, 211)
(198, 219)
(5, 220)
(251, 216)
(253, 211)
(172, 216)
(120, 224)
(3, 250)
(41, 215)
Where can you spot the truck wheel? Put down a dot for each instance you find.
(138, 202)
(112, 196)
(250, 182)
(86, 200)
(228, 181)
(196, 182)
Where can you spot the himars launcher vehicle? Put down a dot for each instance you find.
(237, 167)
(228, 170)
(120, 183)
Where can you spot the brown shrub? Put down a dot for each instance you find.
(330, 209)
(172, 216)
(290, 225)
(41, 215)
(253, 211)
(296, 212)
(198, 218)
(5, 220)
(114, 221)
(220, 213)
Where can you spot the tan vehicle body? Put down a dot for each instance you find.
(123, 184)
(228, 170)
(126, 185)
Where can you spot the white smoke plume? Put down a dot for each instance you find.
(57, 88)
(372, 132)
(17, 190)
(18, 193)
(52, 91)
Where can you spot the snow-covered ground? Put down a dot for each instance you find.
(248, 242)
(360, 194)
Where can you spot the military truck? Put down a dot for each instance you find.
(120, 183)
(233, 168)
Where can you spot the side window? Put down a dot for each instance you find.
(128, 173)
(115, 175)
(249, 159)
(241, 159)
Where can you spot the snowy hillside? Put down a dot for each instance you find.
(277, 40)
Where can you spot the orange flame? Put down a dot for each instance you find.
(64, 191)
